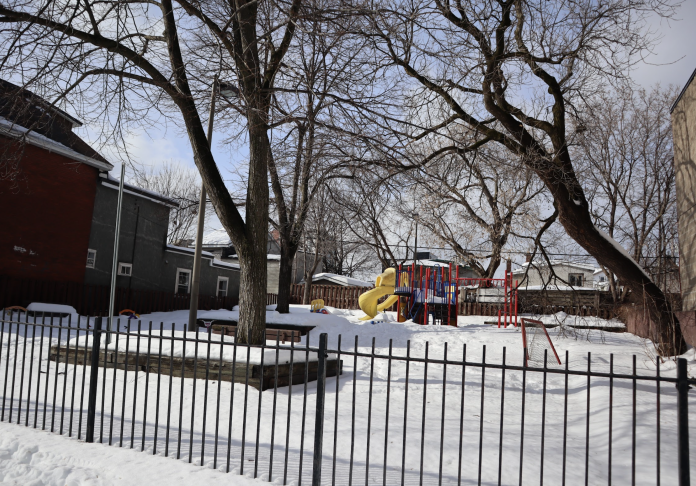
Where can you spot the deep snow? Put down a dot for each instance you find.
(364, 381)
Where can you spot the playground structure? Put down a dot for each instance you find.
(426, 294)
(384, 285)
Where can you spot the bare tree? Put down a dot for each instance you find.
(511, 73)
(180, 184)
(474, 202)
(325, 76)
(628, 172)
(345, 255)
(125, 63)
(376, 215)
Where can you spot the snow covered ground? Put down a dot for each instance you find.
(378, 387)
(31, 457)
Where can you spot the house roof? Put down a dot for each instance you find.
(543, 264)
(341, 280)
(112, 182)
(433, 262)
(188, 251)
(686, 86)
(25, 114)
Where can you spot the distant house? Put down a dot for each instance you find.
(561, 275)
(432, 261)
(220, 246)
(600, 281)
(146, 261)
(59, 211)
(338, 280)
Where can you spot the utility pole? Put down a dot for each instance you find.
(114, 262)
(196, 273)
(226, 91)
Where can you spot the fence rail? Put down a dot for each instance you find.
(94, 299)
(530, 302)
(397, 414)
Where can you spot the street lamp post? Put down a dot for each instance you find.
(228, 91)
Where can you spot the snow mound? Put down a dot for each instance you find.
(28, 465)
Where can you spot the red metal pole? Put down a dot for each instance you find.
(505, 300)
(498, 318)
(425, 298)
(456, 297)
(517, 283)
(512, 312)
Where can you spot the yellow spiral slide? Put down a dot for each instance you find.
(384, 285)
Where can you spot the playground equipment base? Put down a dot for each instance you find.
(259, 377)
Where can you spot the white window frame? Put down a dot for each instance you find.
(176, 281)
(227, 287)
(94, 259)
(122, 266)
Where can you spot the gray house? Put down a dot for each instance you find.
(146, 261)
(220, 246)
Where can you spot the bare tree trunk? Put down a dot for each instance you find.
(306, 297)
(287, 257)
(252, 254)
(577, 221)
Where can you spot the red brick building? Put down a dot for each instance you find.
(48, 179)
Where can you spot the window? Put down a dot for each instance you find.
(125, 269)
(183, 281)
(575, 279)
(222, 286)
(601, 278)
(91, 258)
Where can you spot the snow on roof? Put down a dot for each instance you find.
(427, 263)
(542, 264)
(13, 130)
(190, 251)
(139, 191)
(270, 256)
(220, 263)
(342, 280)
(554, 287)
(217, 236)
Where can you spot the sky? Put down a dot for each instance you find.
(672, 62)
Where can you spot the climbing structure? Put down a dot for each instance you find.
(432, 294)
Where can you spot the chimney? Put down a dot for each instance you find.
(527, 257)
(508, 265)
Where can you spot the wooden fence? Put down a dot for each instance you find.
(583, 303)
(333, 295)
(94, 299)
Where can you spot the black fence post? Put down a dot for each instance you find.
(319, 418)
(93, 380)
(683, 422)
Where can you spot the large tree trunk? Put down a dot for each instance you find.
(577, 222)
(252, 255)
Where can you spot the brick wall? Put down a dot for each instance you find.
(46, 215)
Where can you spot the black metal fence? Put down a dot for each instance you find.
(413, 413)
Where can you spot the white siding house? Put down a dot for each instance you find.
(562, 275)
